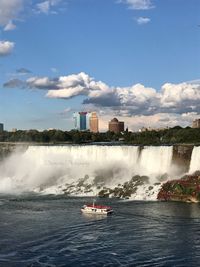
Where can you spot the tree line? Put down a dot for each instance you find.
(175, 135)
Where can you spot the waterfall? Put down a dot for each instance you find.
(46, 167)
(155, 161)
(195, 160)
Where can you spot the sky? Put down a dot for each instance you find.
(137, 60)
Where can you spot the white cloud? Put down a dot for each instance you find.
(180, 95)
(143, 20)
(138, 4)
(45, 6)
(41, 83)
(76, 84)
(9, 11)
(127, 101)
(10, 26)
(12, 11)
(6, 48)
(135, 100)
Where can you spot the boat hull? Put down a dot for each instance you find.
(97, 212)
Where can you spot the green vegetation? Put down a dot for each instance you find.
(186, 189)
(176, 135)
(57, 136)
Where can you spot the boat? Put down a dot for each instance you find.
(96, 209)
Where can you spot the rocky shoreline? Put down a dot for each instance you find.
(186, 189)
(138, 188)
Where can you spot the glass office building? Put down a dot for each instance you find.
(81, 121)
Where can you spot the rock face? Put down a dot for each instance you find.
(125, 190)
(182, 156)
(97, 187)
(186, 189)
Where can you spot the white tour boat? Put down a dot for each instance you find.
(96, 209)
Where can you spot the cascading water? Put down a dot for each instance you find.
(195, 160)
(50, 168)
(155, 161)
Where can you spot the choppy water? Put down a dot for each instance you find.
(51, 231)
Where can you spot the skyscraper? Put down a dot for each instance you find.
(81, 121)
(94, 123)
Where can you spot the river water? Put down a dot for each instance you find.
(51, 231)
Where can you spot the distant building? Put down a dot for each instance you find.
(116, 126)
(1, 127)
(81, 121)
(196, 123)
(14, 130)
(149, 129)
(94, 123)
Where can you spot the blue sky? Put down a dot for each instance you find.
(145, 53)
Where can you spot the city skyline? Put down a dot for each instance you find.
(136, 60)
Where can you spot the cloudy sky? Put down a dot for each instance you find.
(138, 60)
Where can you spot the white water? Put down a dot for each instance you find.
(49, 168)
(155, 161)
(195, 160)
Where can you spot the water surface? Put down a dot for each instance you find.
(51, 231)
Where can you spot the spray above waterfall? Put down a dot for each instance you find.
(51, 169)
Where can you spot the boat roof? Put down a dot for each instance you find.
(98, 206)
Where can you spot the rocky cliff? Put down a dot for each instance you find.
(182, 156)
(186, 189)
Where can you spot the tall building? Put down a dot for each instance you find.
(88, 115)
(94, 123)
(116, 126)
(76, 118)
(196, 123)
(81, 121)
(1, 127)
